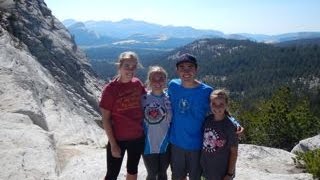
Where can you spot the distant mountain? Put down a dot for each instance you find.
(125, 28)
(69, 22)
(281, 37)
(297, 35)
(84, 36)
(134, 34)
(130, 33)
(299, 42)
(257, 37)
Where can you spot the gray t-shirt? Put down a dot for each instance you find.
(218, 138)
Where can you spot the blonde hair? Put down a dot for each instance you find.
(127, 55)
(221, 93)
(154, 69)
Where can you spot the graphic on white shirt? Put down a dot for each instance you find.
(154, 113)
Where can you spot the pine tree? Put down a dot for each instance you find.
(280, 121)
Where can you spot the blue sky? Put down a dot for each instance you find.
(229, 16)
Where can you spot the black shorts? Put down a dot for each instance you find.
(134, 150)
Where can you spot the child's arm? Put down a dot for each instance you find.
(232, 163)
(236, 123)
(106, 122)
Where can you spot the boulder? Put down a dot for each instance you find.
(26, 150)
(307, 144)
(264, 163)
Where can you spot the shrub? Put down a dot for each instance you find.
(311, 162)
(280, 122)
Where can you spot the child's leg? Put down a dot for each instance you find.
(194, 168)
(178, 159)
(134, 151)
(151, 161)
(113, 164)
(164, 161)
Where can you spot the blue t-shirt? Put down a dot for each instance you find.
(190, 107)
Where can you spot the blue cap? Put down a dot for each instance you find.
(186, 58)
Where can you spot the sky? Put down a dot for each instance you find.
(268, 17)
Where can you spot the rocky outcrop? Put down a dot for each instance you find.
(32, 23)
(48, 93)
(263, 163)
(27, 151)
(307, 144)
(254, 163)
(54, 86)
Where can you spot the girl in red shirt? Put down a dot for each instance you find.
(122, 117)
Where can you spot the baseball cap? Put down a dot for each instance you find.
(186, 58)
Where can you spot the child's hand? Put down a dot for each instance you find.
(240, 131)
(226, 177)
(116, 151)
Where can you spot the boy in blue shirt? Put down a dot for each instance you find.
(190, 104)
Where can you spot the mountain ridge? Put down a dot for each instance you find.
(130, 26)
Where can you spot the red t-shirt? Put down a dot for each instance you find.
(124, 102)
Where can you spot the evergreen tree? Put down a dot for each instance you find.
(280, 121)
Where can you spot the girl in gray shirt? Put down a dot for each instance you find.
(220, 142)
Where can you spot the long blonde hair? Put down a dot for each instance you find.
(154, 69)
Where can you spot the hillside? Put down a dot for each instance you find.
(299, 42)
(255, 69)
(248, 69)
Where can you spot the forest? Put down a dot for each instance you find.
(249, 70)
